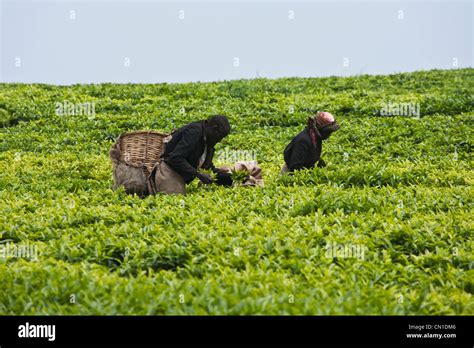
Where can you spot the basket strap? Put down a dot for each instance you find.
(150, 180)
(146, 147)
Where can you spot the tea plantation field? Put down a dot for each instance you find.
(386, 228)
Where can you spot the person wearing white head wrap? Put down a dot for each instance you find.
(304, 151)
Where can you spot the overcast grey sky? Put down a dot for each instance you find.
(66, 42)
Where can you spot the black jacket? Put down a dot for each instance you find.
(183, 151)
(301, 153)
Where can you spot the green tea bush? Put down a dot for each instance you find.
(385, 229)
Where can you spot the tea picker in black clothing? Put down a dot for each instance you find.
(304, 151)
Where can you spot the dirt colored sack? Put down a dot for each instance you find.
(254, 178)
(131, 178)
(166, 180)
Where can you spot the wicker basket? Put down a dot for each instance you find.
(139, 149)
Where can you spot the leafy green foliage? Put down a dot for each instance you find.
(239, 176)
(399, 186)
